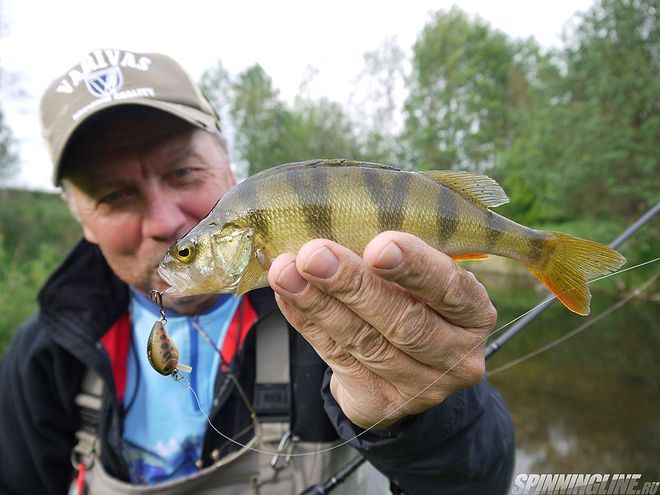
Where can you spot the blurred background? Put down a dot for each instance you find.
(558, 101)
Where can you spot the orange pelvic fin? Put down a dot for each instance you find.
(470, 257)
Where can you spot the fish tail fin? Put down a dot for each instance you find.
(570, 263)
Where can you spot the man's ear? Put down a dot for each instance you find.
(73, 209)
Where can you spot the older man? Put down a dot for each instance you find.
(140, 158)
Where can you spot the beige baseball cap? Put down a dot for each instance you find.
(107, 78)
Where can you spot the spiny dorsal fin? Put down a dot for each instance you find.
(479, 188)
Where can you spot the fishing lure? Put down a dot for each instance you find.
(162, 351)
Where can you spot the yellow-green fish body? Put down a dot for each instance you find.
(349, 202)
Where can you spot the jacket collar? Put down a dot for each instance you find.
(83, 298)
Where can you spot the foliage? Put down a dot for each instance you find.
(377, 109)
(457, 112)
(587, 143)
(7, 155)
(267, 130)
(321, 129)
(36, 232)
(560, 130)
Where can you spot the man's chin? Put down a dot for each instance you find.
(189, 305)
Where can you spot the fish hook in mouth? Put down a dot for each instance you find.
(177, 283)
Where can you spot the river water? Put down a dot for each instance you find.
(592, 404)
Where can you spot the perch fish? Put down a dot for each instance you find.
(349, 202)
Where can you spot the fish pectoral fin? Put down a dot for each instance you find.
(264, 259)
(480, 189)
(470, 257)
(254, 276)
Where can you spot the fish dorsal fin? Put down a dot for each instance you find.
(478, 188)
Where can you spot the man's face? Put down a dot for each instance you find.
(138, 184)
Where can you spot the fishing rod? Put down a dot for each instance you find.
(329, 485)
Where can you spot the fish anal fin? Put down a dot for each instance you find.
(470, 257)
(480, 189)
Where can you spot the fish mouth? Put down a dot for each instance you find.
(178, 285)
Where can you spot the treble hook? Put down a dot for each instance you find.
(157, 297)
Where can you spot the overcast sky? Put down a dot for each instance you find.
(41, 40)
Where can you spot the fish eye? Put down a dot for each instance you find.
(185, 253)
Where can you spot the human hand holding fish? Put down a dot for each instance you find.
(388, 324)
(386, 330)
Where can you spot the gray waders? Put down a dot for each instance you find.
(244, 471)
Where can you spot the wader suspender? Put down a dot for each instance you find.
(87, 449)
(272, 399)
(272, 388)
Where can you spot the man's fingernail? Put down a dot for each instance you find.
(322, 263)
(389, 258)
(290, 280)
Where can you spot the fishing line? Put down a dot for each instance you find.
(577, 330)
(181, 380)
(619, 272)
(460, 360)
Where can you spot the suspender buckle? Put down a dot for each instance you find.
(85, 450)
(272, 401)
(284, 450)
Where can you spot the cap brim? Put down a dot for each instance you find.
(191, 115)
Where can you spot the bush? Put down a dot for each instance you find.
(36, 232)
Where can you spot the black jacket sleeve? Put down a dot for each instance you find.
(38, 382)
(463, 446)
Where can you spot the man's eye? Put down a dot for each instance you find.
(182, 172)
(114, 197)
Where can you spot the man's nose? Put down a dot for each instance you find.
(163, 219)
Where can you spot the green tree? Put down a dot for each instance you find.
(216, 85)
(587, 144)
(8, 160)
(36, 232)
(378, 106)
(267, 131)
(320, 129)
(528, 168)
(260, 120)
(457, 111)
(613, 88)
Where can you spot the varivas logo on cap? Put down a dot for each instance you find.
(109, 78)
(104, 82)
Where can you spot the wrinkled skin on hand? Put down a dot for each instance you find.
(388, 324)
